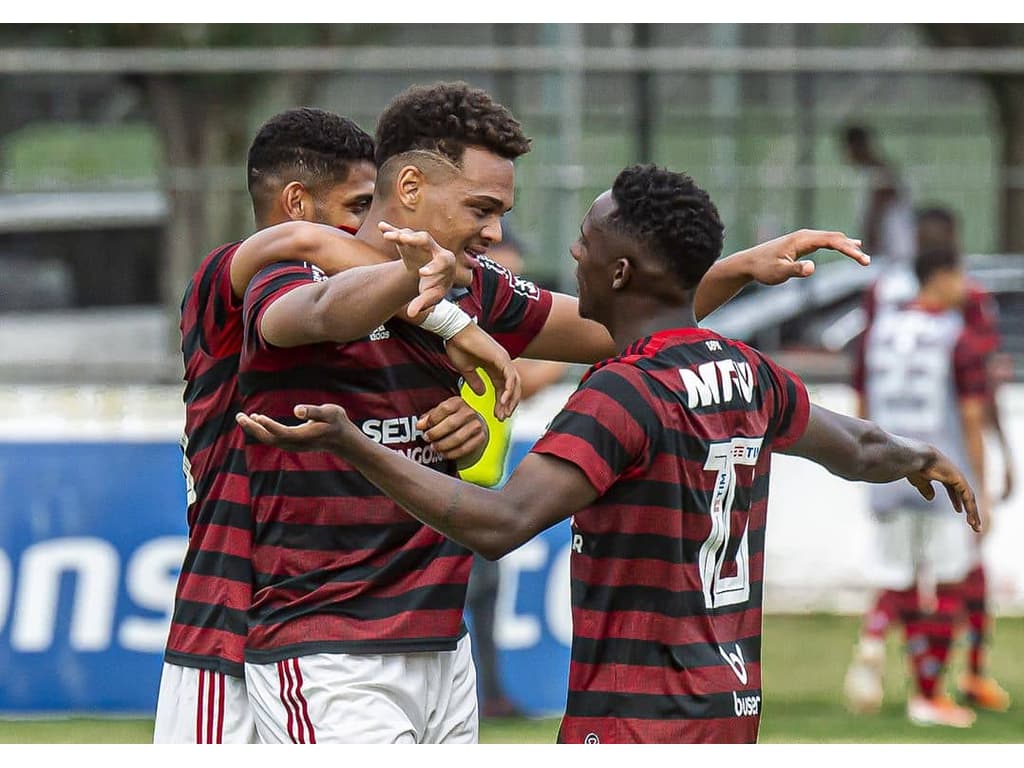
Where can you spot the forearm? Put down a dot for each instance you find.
(855, 449)
(346, 307)
(328, 248)
(480, 519)
(725, 279)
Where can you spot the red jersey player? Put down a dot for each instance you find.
(304, 166)
(661, 459)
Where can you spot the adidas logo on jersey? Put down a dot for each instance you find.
(380, 334)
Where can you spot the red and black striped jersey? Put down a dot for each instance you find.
(208, 625)
(676, 437)
(338, 566)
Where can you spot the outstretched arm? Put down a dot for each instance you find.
(349, 305)
(491, 522)
(770, 263)
(329, 248)
(855, 449)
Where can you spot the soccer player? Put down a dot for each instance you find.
(304, 165)
(923, 373)
(661, 459)
(886, 214)
(863, 685)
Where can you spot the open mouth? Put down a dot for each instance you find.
(473, 253)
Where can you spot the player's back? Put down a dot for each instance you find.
(667, 564)
(208, 627)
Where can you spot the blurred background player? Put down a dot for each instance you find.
(886, 217)
(303, 165)
(921, 373)
(489, 472)
(937, 228)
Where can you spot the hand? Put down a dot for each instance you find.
(437, 267)
(472, 348)
(958, 489)
(454, 430)
(327, 429)
(777, 260)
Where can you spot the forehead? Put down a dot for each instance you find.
(487, 174)
(602, 207)
(360, 180)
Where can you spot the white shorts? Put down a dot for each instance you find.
(197, 706)
(917, 547)
(393, 698)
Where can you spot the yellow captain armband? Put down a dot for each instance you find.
(490, 469)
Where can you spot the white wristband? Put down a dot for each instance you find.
(446, 319)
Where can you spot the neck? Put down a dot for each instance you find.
(635, 318)
(930, 298)
(370, 233)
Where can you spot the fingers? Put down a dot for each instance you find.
(427, 298)
(461, 441)
(440, 412)
(810, 240)
(923, 485)
(254, 429)
(327, 413)
(509, 389)
(474, 381)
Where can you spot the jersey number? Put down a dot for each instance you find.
(723, 458)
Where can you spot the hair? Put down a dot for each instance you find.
(937, 214)
(446, 118)
(937, 227)
(856, 135)
(315, 147)
(670, 216)
(934, 260)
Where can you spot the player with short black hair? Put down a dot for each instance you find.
(314, 147)
(304, 165)
(661, 459)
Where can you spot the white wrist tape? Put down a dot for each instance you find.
(446, 319)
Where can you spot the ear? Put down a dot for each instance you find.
(409, 185)
(622, 275)
(297, 201)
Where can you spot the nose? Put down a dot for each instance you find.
(492, 231)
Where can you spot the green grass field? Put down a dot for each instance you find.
(804, 661)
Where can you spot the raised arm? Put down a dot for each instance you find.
(568, 338)
(330, 249)
(490, 522)
(855, 449)
(770, 263)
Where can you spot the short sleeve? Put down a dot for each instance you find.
(514, 308)
(270, 284)
(604, 428)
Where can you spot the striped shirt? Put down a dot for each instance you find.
(338, 566)
(676, 437)
(915, 366)
(208, 625)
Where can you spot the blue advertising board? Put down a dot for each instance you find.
(92, 535)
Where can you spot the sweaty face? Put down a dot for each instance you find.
(463, 211)
(346, 204)
(593, 253)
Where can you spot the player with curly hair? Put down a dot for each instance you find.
(661, 460)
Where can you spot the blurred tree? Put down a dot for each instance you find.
(1008, 92)
(204, 121)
